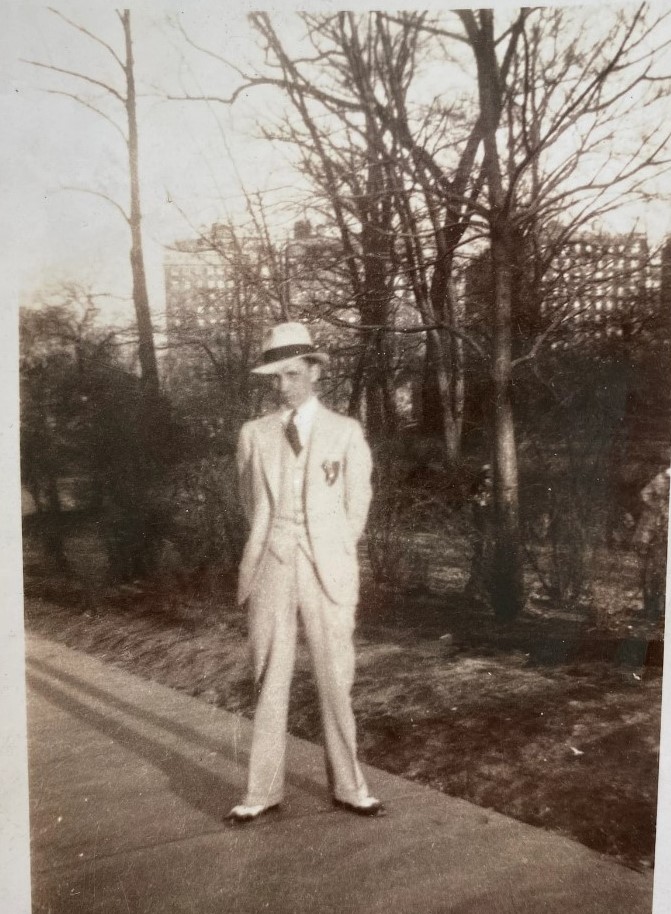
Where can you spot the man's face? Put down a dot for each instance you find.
(295, 382)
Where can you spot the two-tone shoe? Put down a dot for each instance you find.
(369, 807)
(243, 815)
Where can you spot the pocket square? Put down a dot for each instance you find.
(331, 469)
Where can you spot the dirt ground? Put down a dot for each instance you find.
(553, 719)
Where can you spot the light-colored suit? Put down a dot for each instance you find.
(319, 581)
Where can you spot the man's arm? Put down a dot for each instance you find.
(244, 464)
(358, 490)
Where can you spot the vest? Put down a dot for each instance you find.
(289, 516)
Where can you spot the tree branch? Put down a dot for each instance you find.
(89, 79)
(91, 107)
(408, 331)
(97, 193)
(84, 31)
(541, 339)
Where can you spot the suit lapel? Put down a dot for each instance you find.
(271, 439)
(318, 451)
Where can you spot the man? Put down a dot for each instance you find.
(304, 475)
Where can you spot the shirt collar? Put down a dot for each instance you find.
(304, 414)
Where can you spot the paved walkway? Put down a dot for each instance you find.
(131, 782)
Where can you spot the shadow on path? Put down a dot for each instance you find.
(209, 793)
(206, 792)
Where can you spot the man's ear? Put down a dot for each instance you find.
(315, 372)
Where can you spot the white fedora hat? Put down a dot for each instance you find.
(284, 343)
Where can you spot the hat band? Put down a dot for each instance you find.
(287, 352)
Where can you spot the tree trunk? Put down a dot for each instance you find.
(507, 574)
(375, 424)
(147, 353)
(443, 391)
(354, 406)
(507, 581)
(52, 521)
(455, 317)
(437, 399)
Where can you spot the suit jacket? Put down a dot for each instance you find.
(336, 497)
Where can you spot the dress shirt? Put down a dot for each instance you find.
(305, 415)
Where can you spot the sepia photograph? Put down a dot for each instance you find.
(341, 369)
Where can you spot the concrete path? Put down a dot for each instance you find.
(131, 782)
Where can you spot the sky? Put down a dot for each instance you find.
(194, 157)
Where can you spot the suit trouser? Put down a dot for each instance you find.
(281, 592)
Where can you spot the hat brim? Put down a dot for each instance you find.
(273, 367)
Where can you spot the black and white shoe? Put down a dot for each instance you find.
(368, 807)
(241, 815)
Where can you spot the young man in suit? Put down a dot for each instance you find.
(304, 474)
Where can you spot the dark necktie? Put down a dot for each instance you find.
(291, 432)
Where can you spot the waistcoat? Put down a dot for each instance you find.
(290, 511)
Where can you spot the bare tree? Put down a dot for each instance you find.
(357, 163)
(353, 180)
(578, 92)
(126, 98)
(507, 583)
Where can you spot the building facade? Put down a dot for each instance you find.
(216, 309)
(602, 286)
(591, 288)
